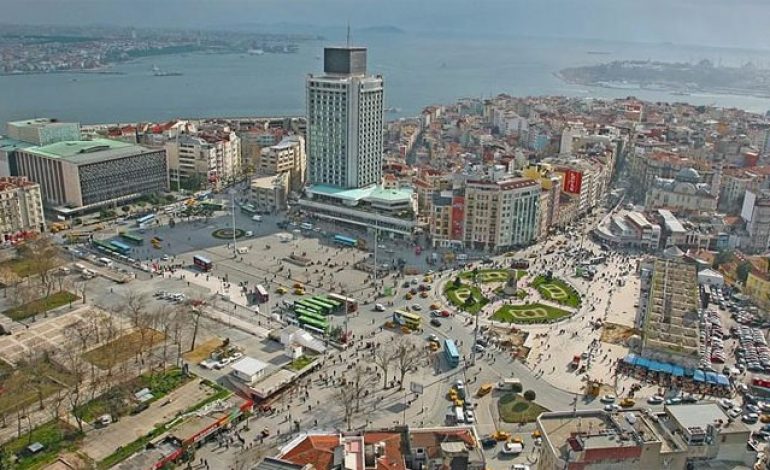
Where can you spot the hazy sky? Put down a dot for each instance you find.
(732, 23)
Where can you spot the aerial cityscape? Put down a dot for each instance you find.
(509, 281)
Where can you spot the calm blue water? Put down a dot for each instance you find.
(419, 70)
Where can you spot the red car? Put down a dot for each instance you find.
(445, 313)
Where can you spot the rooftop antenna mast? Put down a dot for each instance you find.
(348, 34)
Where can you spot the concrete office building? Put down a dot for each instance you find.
(211, 157)
(679, 437)
(21, 206)
(80, 176)
(344, 129)
(288, 156)
(43, 131)
(502, 214)
(668, 312)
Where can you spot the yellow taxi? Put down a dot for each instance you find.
(281, 290)
(483, 390)
(627, 403)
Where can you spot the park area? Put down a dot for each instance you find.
(556, 290)
(41, 306)
(121, 349)
(491, 275)
(465, 297)
(514, 408)
(54, 437)
(529, 313)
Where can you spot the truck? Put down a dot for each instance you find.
(510, 383)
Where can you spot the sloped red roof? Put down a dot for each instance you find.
(317, 450)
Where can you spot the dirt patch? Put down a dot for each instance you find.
(126, 347)
(203, 351)
(617, 334)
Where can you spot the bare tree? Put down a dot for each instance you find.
(383, 358)
(42, 257)
(346, 398)
(361, 381)
(407, 356)
(78, 392)
(80, 286)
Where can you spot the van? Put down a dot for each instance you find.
(257, 218)
(379, 308)
(105, 261)
(80, 267)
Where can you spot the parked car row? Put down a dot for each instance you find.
(752, 352)
(712, 346)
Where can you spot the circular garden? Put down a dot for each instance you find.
(530, 313)
(227, 233)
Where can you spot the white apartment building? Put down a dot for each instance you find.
(344, 129)
(502, 214)
(21, 206)
(287, 156)
(214, 158)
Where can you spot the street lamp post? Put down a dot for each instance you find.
(476, 326)
(232, 199)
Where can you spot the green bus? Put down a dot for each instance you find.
(133, 239)
(307, 305)
(212, 205)
(338, 306)
(317, 316)
(333, 306)
(320, 306)
(322, 326)
(249, 209)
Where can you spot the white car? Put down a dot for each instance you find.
(469, 416)
(734, 412)
(726, 403)
(521, 466)
(655, 400)
(611, 408)
(379, 308)
(512, 448)
(607, 399)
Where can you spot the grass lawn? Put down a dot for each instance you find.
(54, 435)
(457, 296)
(115, 402)
(492, 275)
(121, 349)
(23, 267)
(532, 313)
(40, 306)
(515, 408)
(300, 363)
(557, 291)
(203, 351)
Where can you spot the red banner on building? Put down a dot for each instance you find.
(458, 217)
(573, 182)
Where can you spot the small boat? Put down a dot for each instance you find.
(392, 109)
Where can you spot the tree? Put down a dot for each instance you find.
(407, 356)
(361, 381)
(530, 395)
(42, 257)
(383, 357)
(345, 397)
(724, 256)
(457, 282)
(743, 270)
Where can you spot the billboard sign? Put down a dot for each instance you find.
(458, 216)
(573, 181)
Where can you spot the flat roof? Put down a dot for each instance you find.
(249, 366)
(6, 143)
(357, 194)
(672, 223)
(88, 151)
(702, 415)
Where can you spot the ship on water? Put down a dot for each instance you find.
(157, 72)
(392, 109)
